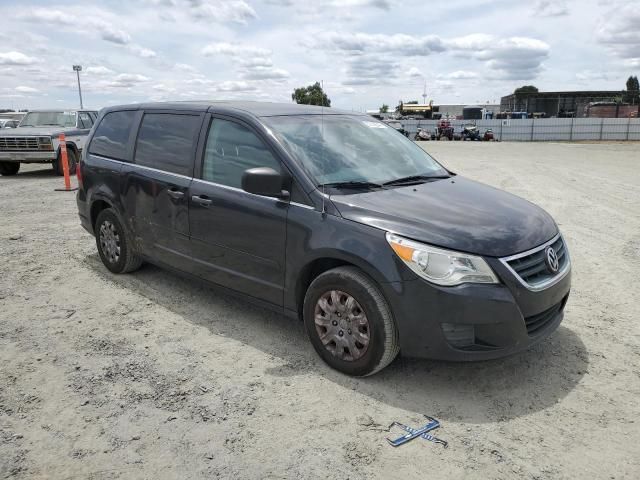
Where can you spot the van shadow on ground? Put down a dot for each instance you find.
(479, 392)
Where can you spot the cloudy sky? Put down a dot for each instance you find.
(367, 52)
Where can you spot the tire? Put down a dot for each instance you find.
(346, 352)
(8, 169)
(71, 158)
(114, 244)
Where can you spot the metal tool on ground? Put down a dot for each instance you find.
(417, 432)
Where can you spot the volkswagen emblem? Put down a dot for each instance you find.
(551, 259)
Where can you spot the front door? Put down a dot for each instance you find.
(238, 239)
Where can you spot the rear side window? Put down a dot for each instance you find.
(231, 149)
(165, 141)
(112, 135)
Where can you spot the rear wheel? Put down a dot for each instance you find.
(71, 158)
(349, 322)
(114, 247)
(9, 168)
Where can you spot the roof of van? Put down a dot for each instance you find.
(259, 109)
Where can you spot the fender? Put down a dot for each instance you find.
(314, 245)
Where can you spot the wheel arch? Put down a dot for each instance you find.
(98, 205)
(325, 262)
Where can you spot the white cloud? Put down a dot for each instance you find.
(509, 58)
(236, 11)
(461, 75)
(233, 86)
(550, 8)
(254, 63)
(369, 70)
(414, 72)
(99, 70)
(127, 80)
(517, 58)
(23, 89)
(264, 73)
(161, 87)
(112, 34)
(141, 51)
(16, 58)
(233, 50)
(619, 30)
(397, 44)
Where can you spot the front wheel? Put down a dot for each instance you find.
(9, 168)
(349, 322)
(71, 159)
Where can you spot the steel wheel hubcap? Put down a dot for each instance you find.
(110, 241)
(342, 325)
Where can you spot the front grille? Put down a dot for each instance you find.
(532, 268)
(535, 323)
(19, 143)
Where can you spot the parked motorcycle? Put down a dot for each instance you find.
(422, 135)
(488, 135)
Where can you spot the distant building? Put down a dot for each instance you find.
(453, 111)
(556, 104)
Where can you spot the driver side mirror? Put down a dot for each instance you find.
(264, 181)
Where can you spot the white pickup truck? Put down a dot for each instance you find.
(35, 140)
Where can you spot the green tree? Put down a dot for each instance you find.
(311, 95)
(632, 95)
(526, 89)
(384, 108)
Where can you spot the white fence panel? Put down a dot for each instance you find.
(543, 129)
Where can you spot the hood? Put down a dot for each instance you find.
(455, 213)
(34, 131)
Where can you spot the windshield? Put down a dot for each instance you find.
(41, 119)
(355, 149)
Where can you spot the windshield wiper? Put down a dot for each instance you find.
(351, 184)
(411, 179)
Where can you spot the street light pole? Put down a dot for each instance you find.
(78, 69)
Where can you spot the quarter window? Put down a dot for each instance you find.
(165, 142)
(231, 149)
(112, 135)
(84, 120)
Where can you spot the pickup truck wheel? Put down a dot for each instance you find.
(9, 168)
(113, 244)
(349, 322)
(71, 158)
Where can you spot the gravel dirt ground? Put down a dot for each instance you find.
(151, 375)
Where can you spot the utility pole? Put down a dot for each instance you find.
(78, 69)
(424, 94)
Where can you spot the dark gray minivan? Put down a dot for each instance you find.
(328, 216)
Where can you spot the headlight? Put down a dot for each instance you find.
(44, 143)
(444, 267)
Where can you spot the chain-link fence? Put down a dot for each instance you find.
(543, 129)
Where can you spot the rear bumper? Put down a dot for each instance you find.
(473, 321)
(27, 157)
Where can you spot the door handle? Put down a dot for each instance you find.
(177, 194)
(202, 200)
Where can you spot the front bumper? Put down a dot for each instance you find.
(503, 318)
(28, 157)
